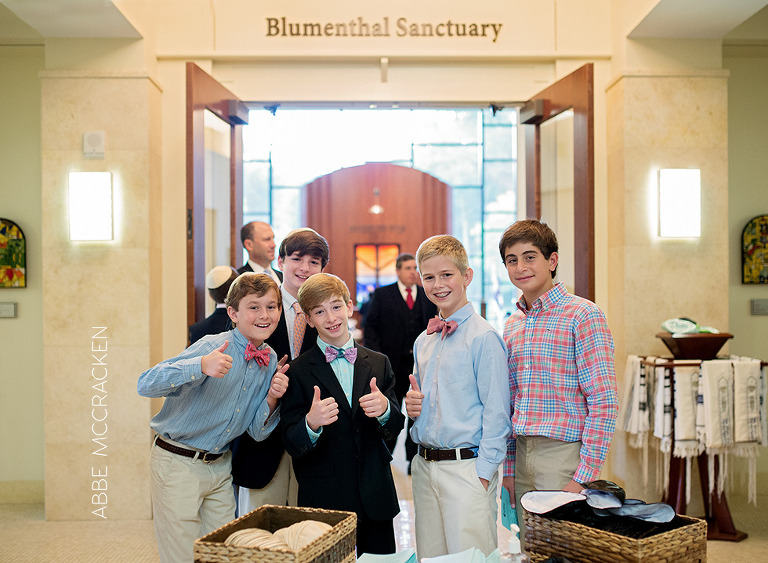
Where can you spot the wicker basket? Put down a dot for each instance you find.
(335, 546)
(545, 538)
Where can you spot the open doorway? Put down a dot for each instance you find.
(474, 150)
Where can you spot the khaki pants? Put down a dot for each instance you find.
(453, 511)
(542, 464)
(282, 490)
(189, 499)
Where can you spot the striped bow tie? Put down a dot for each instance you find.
(262, 356)
(331, 353)
(446, 327)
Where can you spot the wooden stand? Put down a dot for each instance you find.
(720, 524)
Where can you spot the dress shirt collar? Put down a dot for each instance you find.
(462, 314)
(259, 269)
(545, 301)
(402, 287)
(322, 344)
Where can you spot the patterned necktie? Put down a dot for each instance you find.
(299, 327)
(331, 353)
(446, 327)
(262, 356)
(409, 298)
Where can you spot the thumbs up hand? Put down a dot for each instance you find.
(413, 398)
(374, 403)
(322, 412)
(279, 384)
(217, 363)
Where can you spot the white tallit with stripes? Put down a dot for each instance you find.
(636, 416)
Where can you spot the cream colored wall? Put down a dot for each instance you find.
(101, 319)
(21, 361)
(748, 197)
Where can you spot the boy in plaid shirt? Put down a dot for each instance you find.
(561, 373)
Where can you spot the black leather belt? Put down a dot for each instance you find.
(447, 455)
(205, 457)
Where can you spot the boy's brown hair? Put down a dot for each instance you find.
(320, 287)
(443, 245)
(305, 241)
(532, 231)
(248, 283)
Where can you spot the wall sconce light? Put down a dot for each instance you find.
(376, 208)
(679, 203)
(90, 206)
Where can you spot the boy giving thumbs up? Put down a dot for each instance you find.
(221, 386)
(337, 413)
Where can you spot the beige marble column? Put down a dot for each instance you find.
(101, 311)
(663, 120)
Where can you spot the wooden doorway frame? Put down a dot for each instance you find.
(204, 92)
(576, 92)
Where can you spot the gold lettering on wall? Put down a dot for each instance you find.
(383, 27)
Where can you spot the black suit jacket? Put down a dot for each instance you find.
(255, 463)
(216, 322)
(247, 268)
(386, 323)
(348, 468)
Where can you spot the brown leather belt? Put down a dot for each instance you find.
(205, 457)
(447, 455)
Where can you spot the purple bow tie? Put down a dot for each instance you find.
(331, 353)
(446, 327)
(262, 356)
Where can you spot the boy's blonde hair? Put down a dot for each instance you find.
(320, 287)
(443, 245)
(248, 283)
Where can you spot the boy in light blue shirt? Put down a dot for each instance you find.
(459, 400)
(219, 387)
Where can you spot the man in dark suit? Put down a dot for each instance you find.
(262, 470)
(217, 281)
(339, 408)
(398, 313)
(259, 241)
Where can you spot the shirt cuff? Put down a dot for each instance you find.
(384, 417)
(313, 436)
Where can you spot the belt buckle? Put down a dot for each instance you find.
(204, 458)
(429, 455)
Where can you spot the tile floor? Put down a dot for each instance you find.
(25, 536)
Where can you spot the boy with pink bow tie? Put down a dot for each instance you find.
(219, 387)
(459, 400)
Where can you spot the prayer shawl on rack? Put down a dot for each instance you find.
(716, 397)
(747, 427)
(662, 421)
(686, 446)
(637, 413)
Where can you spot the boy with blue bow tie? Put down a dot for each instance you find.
(337, 413)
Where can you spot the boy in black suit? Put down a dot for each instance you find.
(337, 413)
(397, 314)
(217, 281)
(262, 470)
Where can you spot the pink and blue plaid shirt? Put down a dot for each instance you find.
(561, 377)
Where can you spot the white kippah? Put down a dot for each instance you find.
(217, 276)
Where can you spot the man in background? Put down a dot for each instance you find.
(259, 241)
(397, 314)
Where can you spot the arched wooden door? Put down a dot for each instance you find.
(413, 205)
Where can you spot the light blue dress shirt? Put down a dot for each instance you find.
(465, 381)
(205, 412)
(345, 373)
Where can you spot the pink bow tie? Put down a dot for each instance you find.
(262, 356)
(331, 353)
(446, 327)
